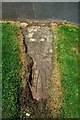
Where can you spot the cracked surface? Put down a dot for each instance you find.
(39, 41)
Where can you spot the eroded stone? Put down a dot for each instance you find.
(39, 42)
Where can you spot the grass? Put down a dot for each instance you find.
(67, 58)
(10, 69)
(67, 48)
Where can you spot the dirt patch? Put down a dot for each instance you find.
(56, 78)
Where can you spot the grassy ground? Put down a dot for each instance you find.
(10, 69)
(67, 48)
(67, 58)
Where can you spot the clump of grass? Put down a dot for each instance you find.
(67, 48)
(10, 69)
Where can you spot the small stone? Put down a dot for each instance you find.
(23, 25)
(55, 24)
(51, 24)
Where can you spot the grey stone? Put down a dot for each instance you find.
(40, 48)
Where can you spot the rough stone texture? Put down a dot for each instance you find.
(39, 44)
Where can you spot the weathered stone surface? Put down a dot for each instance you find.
(39, 42)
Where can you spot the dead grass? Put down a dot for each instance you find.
(56, 93)
(23, 61)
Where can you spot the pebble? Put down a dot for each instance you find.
(23, 25)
